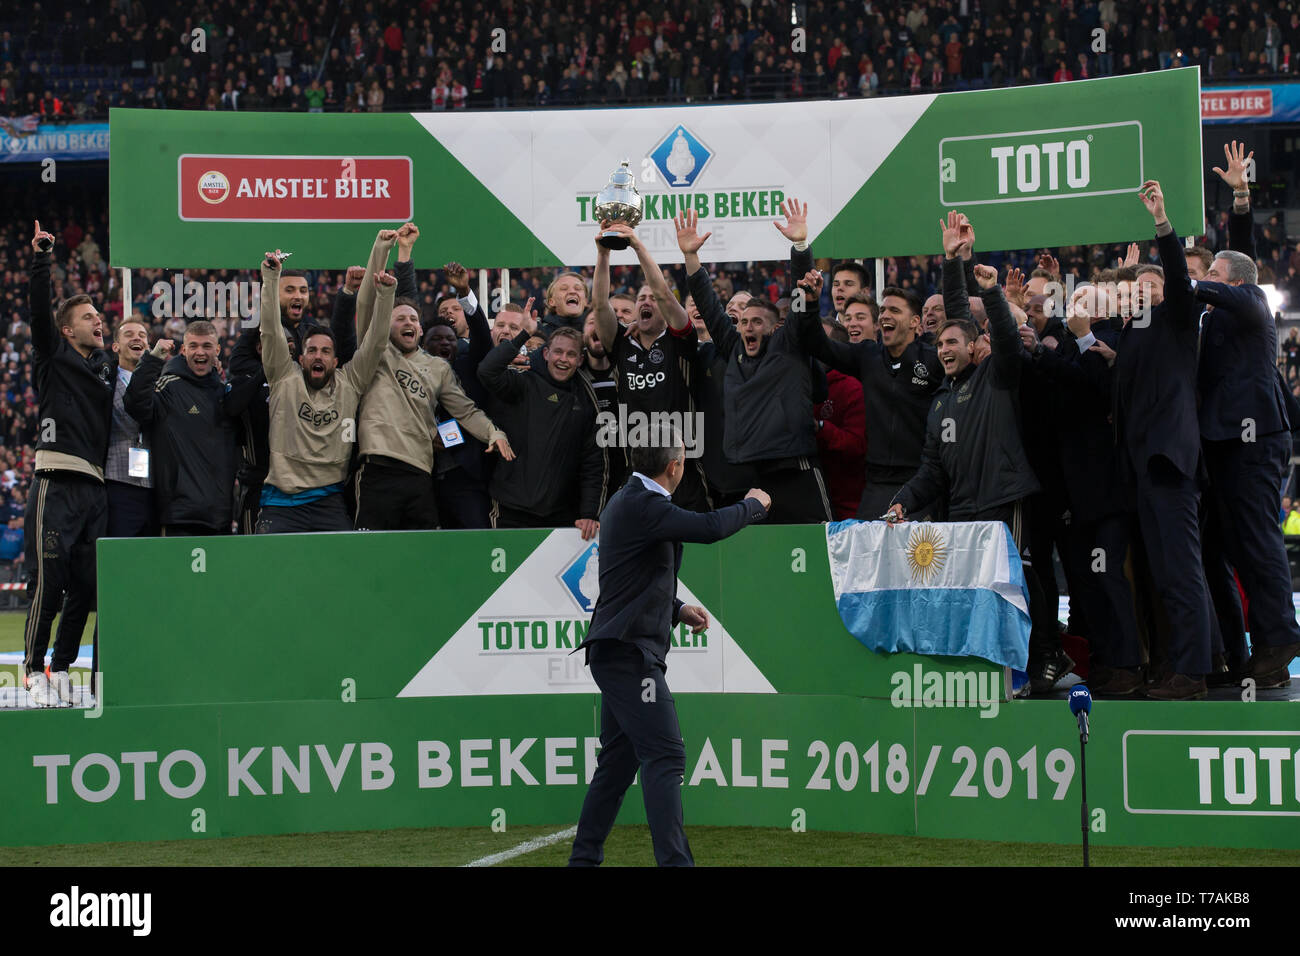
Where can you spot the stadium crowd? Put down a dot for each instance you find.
(68, 59)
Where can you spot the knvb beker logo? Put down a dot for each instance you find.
(681, 158)
(581, 578)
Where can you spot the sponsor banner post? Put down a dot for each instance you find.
(518, 188)
(24, 140)
(1260, 103)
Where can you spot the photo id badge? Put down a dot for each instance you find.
(450, 434)
(137, 462)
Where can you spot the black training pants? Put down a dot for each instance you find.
(66, 514)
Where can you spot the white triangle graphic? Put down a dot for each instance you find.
(519, 640)
(537, 163)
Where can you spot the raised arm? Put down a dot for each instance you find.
(665, 521)
(1179, 304)
(480, 336)
(276, 360)
(712, 311)
(494, 371)
(140, 400)
(672, 310)
(405, 268)
(795, 228)
(1004, 337)
(366, 362)
(45, 338)
(343, 320)
(844, 357)
(1241, 220)
(956, 300)
(606, 320)
(377, 263)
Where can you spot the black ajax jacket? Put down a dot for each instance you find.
(191, 421)
(558, 468)
(75, 393)
(982, 464)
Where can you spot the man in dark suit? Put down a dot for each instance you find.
(1160, 452)
(1247, 437)
(1247, 441)
(641, 535)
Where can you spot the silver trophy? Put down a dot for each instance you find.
(618, 202)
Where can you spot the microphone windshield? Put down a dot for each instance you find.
(1080, 699)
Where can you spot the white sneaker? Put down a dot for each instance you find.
(42, 694)
(62, 687)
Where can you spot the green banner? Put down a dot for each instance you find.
(517, 188)
(280, 684)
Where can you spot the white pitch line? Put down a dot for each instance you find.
(528, 846)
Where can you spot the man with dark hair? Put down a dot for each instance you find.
(246, 363)
(767, 387)
(128, 471)
(655, 360)
(624, 307)
(558, 476)
(627, 646)
(313, 404)
(847, 279)
(67, 505)
(1161, 457)
(899, 376)
(860, 317)
(973, 452)
(189, 414)
(1199, 260)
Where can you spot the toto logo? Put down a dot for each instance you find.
(214, 187)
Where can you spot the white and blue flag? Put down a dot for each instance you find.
(952, 590)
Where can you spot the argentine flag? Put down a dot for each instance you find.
(953, 590)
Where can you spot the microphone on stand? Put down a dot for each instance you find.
(1081, 706)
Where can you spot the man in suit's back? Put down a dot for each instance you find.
(641, 536)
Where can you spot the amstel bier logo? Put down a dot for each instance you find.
(213, 187)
